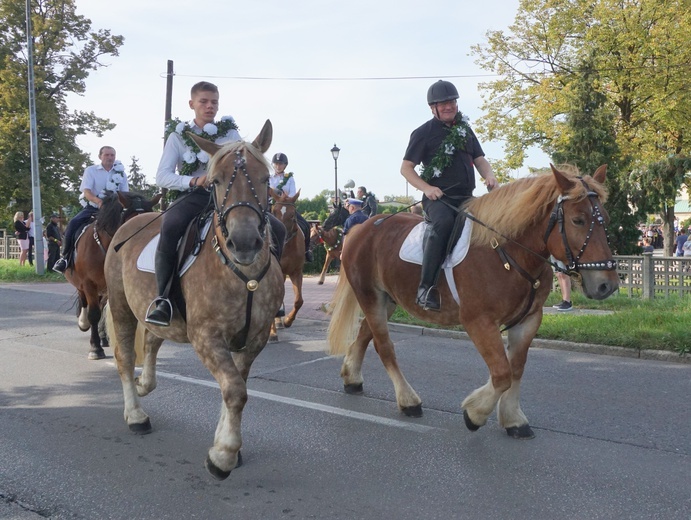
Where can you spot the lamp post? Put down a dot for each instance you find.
(334, 153)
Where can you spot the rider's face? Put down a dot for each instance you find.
(205, 106)
(107, 157)
(445, 111)
(279, 167)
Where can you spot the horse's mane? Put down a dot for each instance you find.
(233, 147)
(515, 207)
(109, 215)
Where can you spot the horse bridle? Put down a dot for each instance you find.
(222, 211)
(339, 238)
(294, 220)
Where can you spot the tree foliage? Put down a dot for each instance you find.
(137, 181)
(66, 51)
(636, 58)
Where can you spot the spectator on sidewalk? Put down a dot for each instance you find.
(679, 242)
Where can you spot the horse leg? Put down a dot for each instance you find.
(122, 327)
(146, 382)
(509, 410)
(327, 263)
(94, 315)
(82, 312)
(273, 335)
(375, 325)
(296, 279)
(102, 333)
(481, 402)
(223, 455)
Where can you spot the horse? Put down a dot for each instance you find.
(339, 214)
(333, 243)
(293, 257)
(504, 280)
(86, 273)
(232, 292)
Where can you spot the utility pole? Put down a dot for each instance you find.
(168, 116)
(35, 179)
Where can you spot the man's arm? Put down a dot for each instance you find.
(485, 170)
(91, 197)
(409, 173)
(165, 175)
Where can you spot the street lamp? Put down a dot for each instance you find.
(334, 153)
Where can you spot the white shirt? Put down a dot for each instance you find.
(289, 188)
(97, 179)
(172, 159)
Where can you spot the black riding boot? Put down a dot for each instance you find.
(64, 260)
(163, 310)
(433, 252)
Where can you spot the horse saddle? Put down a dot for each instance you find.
(411, 251)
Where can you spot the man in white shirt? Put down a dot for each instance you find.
(109, 175)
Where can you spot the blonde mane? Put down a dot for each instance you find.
(518, 206)
(233, 147)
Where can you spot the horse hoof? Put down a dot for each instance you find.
(353, 389)
(96, 354)
(320, 283)
(239, 460)
(273, 339)
(215, 471)
(104, 344)
(412, 411)
(520, 432)
(468, 423)
(141, 428)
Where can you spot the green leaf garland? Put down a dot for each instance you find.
(455, 140)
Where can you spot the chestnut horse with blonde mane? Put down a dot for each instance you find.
(504, 280)
(86, 272)
(293, 256)
(232, 292)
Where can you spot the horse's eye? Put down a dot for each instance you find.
(578, 221)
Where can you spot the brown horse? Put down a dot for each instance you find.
(232, 292)
(293, 257)
(86, 273)
(504, 280)
(333, 243)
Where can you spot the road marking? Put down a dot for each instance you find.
(417, 428)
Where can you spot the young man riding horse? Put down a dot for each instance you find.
(448, 149)
(183, 154)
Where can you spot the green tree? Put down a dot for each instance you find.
(66, 50)
(640, 51)
(137, 181)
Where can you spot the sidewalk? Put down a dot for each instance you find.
(317, 297)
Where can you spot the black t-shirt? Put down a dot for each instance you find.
(422, 147)
(22, 229)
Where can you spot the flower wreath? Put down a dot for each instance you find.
(455, 139)
(115, 178)
(284, 180)
(195, 157)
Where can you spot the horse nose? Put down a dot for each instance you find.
(605, 289)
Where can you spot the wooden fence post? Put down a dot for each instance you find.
(648, 277)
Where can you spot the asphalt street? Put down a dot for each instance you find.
(612, 433)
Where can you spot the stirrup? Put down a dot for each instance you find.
(155, 320)
(424, 300)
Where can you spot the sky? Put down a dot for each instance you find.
(278, 42)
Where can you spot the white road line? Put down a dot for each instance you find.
(418, 428)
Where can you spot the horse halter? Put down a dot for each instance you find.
(557, 217)
(240, 164)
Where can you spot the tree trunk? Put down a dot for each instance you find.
(668, 230)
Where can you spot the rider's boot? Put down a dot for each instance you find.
(433, 251)
(64, 260)
(162, 311)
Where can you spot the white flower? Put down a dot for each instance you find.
(117, 178)
(210, 128)
(180, 128)
(111, 186)
(203, 157)
(461, 131)
(436, 172)
(118, 167)
(449, 149)
(228, 118)
(465, 119)
(189, 157)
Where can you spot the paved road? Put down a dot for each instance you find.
(612, 433)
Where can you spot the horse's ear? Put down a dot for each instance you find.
(565, 184)
(272, 193)
(156, 199)
(297, 195)
(123, 200)
(599, 174)
(207, 146)
(263, 140)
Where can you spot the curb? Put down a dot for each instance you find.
(570, 346)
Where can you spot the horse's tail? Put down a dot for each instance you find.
(110, 326)
(345, 317)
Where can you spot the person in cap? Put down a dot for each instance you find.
(357, 216)
(449, 151)
(284, 182)
(54, 239)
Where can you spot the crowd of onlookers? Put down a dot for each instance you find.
(651, 238)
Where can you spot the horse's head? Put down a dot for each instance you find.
(337, 217)
(134, 204)
(284, 209)
(577, 232)
(239, 176)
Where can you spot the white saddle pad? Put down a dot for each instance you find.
(145, 262)
(411, 251)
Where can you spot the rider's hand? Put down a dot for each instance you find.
(433, 193)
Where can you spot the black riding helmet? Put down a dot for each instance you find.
(280, 158)
(441, 91)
